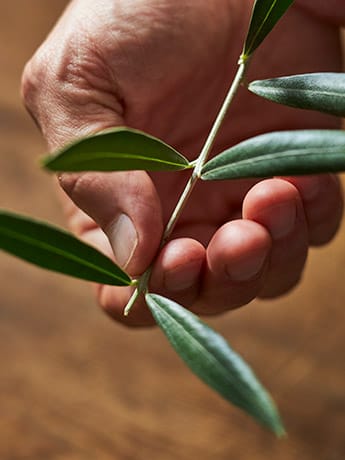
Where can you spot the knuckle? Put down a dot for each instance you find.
(69, 93)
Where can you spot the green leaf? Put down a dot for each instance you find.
(265, 15)
(280, 154)
(324, 92)
(118, 149)
(57, 250)
(210, 357)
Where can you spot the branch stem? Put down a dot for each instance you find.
(220, 117)
(201, 160)
(199, 163)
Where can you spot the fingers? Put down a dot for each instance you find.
(228, 274)
(276, 204)
(177, 274)
(178, 270)
(236, 263)
(262, 254)
(323, 205)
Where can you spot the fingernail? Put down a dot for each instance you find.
(123, 238)
(180, 280)
(282, 219)
(247, 268)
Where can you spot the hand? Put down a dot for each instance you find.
(164, 67)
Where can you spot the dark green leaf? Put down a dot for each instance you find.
(118, 149)
(57, 250)
(324, 92)
(265, 15)
(280, 154)
(210, 357)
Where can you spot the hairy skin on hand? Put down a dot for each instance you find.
(164, 67)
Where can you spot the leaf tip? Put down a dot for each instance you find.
(273, 420)
(278, 430)
(44, 162)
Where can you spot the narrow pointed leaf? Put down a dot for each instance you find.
(324, 92)
(57, 250)
(210, 357)
(265, 15)
(118, 149)
(280, 154)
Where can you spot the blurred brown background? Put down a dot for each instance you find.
(75, 386)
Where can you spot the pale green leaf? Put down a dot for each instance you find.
(282, 153)
(118, 149)
(265, 15)
(324, 92)
(57, 250)
(210, 357)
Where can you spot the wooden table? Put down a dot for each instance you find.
(75, 386)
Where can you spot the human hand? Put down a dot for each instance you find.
(164, 67)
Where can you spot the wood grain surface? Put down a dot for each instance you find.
(75, 386)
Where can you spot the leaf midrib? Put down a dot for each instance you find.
(225, 373)
(287, 154)
(90, 156)
(282, 89)
(262, 25)
(54, 250)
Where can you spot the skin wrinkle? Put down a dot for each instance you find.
(84, 83)
(92, 68)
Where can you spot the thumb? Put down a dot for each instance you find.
(120, 208)
(126, 207)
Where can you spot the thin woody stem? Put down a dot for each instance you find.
(199, 163)
(220, 117)
(205, 150)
